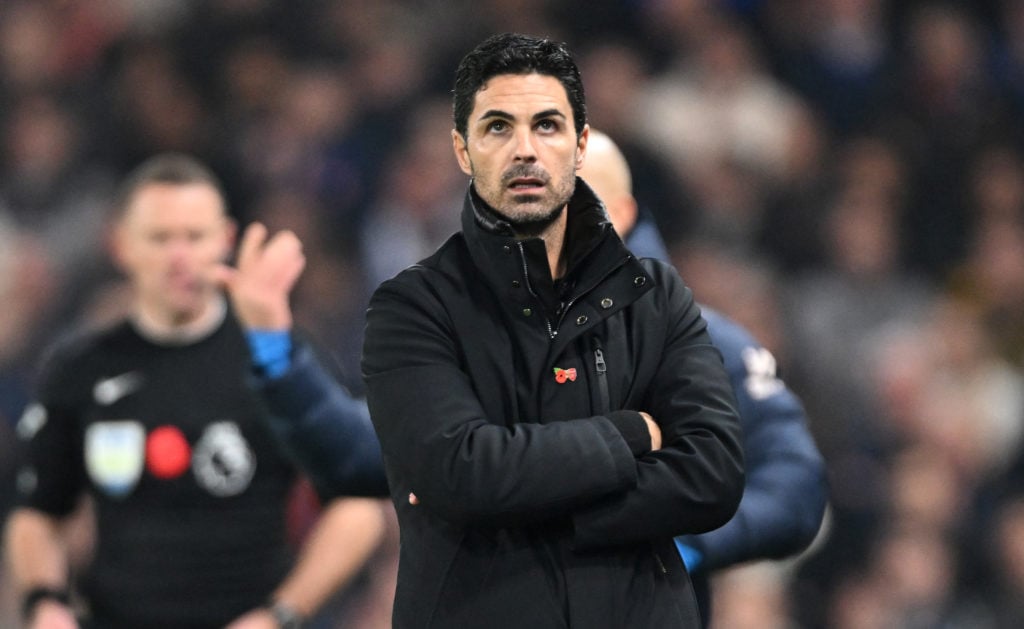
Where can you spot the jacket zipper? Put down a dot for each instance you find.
(602, 377)
(553, 331)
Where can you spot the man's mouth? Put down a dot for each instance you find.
(182, 281)
(525, 184)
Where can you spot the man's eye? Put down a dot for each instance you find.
(547, 125)
(497, 125)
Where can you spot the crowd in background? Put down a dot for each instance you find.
(844, 177)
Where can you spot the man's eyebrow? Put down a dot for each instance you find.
(497, 113)
(548, 113)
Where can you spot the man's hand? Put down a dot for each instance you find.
(654, 429)
(266, 272)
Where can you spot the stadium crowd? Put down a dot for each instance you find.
(843, 177)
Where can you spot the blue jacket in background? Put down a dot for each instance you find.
(325, 429)
(786, 487)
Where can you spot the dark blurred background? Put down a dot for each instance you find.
(844, 177)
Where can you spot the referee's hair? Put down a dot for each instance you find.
(164, 168)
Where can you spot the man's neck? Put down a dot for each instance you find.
(160, 328)
(554, 243)
(553, 234)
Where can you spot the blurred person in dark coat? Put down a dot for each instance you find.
(786, 489)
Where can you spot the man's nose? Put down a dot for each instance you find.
(525, 151)
(180, 248)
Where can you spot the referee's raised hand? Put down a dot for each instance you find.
(260, 283)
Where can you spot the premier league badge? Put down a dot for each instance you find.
(114, 454)
(222, 461)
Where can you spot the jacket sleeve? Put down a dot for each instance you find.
(786, 493)
(437, 442)
(694, 482)
(51, 461)
(324, 428)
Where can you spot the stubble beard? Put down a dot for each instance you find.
(530, 225)
(521, 212)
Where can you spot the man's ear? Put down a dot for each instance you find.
(581, 146)
(114, 242)
(230, 239)
(231, 229)
(461, 152)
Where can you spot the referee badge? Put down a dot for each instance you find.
(223, 462)
(114, 455)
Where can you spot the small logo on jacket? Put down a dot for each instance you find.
(109, 390)
(561, 375)
(114, 453)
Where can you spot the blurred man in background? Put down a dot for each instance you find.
(160, 420)
(786, 489)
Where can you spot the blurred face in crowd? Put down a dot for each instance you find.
(168, 241)
(521, 149)
(608, 175)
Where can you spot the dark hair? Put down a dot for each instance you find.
(512, 53)
(167, 168)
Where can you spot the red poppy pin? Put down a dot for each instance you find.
(561, 375)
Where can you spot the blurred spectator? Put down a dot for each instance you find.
(832, 312)
(925, 492)
(1005, 596)
(912, 574)
(835, 53)
(158, 107)
(833, 315)
(1008, 62)
(414, 216)
(752, 596)
(732, 128)
(614, 69)
(720, 102)
(48, 44)
(859, 156)
(991, 274)
(27, 286)
(47, 189)
(974, 404)
(996, 189)
(941, 106)
(744, 288)
(793, 208)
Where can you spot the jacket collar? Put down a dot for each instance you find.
(518, 269)
(586, 227)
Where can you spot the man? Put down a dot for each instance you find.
(551, 410)
(786, 488)
(157, 419)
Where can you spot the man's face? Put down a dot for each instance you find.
(168, 242)
(521, 148)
